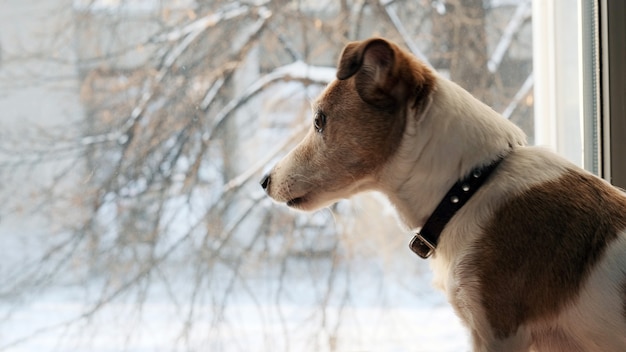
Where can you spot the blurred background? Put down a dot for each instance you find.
(133, 134)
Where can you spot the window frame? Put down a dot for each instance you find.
(613, 90)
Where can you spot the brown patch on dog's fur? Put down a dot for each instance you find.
(533, 272)
(358, 136)
(624, 299)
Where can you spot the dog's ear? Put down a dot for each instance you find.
(384, 74)
(375, 53)
(372, 62)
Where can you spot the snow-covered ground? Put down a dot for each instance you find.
(426, 324)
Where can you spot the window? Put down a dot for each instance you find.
(612, 58)
(134, 133)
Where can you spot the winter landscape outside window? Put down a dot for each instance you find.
(134, 133)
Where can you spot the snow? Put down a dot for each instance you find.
(425, 323)
(300, 69)
(369, 329)
(129, 7)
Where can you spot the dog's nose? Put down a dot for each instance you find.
(265, 181)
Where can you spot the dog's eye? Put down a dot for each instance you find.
(319, 122)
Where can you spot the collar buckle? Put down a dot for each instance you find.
(421, 246)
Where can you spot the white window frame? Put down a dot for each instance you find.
(594, 136)
(558, 111)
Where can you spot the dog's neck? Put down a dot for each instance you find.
(443, 141)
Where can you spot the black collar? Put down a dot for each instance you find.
(425, 241)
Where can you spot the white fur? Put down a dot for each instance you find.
(441, 145)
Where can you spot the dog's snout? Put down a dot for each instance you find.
(265, 181)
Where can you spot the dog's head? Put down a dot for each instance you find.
(358, 124)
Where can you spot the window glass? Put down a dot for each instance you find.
(134, 134)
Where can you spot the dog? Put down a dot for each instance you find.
(534, 259)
